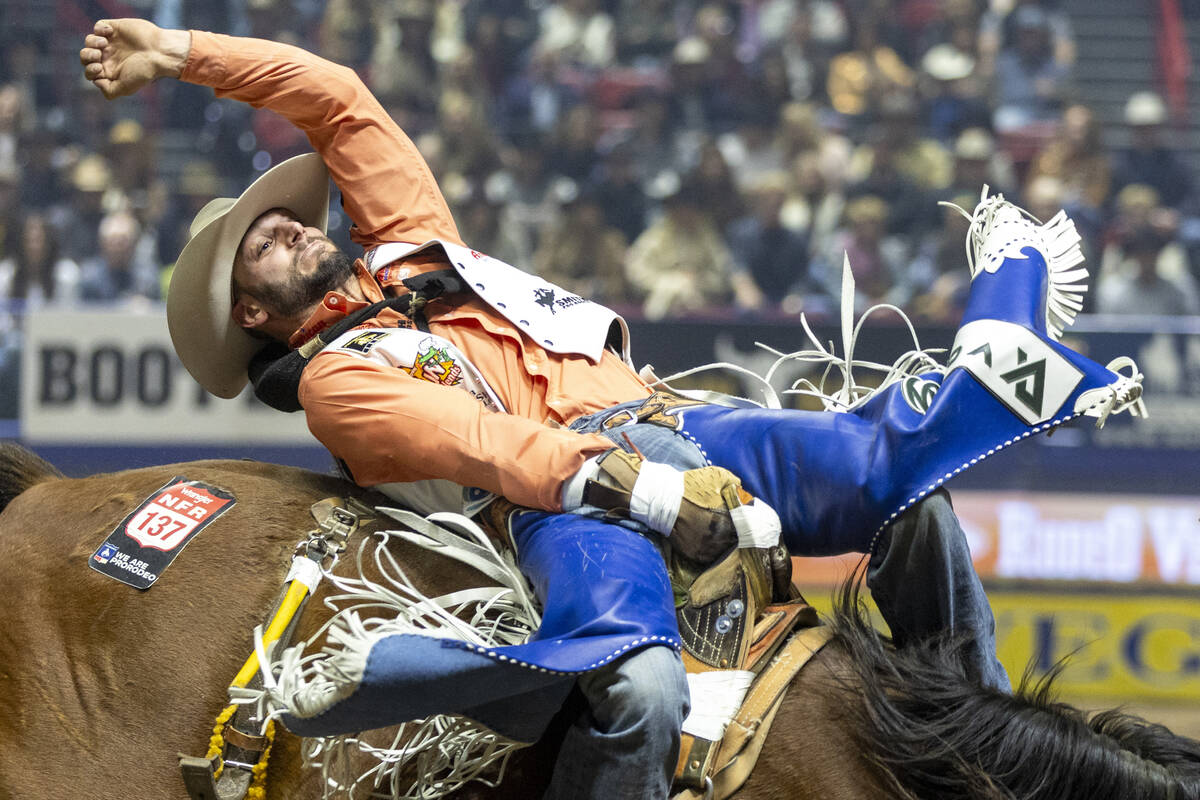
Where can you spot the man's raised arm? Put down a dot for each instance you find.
(386, 185)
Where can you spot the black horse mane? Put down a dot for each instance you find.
(20, 469)
(933, 732)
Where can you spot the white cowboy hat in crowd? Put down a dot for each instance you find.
(214, 348)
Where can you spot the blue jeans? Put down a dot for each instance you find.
(627, 742)
(603, 589)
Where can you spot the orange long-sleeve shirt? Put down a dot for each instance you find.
(387, 425)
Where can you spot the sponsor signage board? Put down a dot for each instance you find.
(1120, 646)
(108, 376)
(1093, 538)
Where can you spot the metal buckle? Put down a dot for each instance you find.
(335, 525)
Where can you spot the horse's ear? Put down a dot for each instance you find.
(248, 312)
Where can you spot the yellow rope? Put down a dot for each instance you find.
(216, 742)
(258, 785)
(216, 746)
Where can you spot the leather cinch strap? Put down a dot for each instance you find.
(747, 732)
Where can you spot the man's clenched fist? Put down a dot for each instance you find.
(121, 56)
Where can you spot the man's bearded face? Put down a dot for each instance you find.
(298, 291)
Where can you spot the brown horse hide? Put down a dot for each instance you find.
(102, 686)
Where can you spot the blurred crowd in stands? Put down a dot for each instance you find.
(663, 156)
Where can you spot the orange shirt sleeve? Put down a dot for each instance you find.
(387, 188)
(389, 426)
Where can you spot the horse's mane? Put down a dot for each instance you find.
(20, 469)
(933, 732)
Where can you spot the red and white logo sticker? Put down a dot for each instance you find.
(173, 514)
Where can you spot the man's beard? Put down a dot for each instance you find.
(301, 292)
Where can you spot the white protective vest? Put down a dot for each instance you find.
(558, 320)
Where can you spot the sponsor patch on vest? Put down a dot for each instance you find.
(148, 540)
(436, 364)
(364, 341)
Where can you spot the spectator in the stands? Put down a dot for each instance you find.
(753, 150)
(879, 260)
(468, 140)
(583, 254)
(14, 116)
(1043, 196)
(1076, 157)
(1139, 215)
(40, 151)
(952, 92)
(525, 190)
(480, 211)
(1148, 159)
(345, 31)
(918, 158)
(10, 203)
(692, 91)
(939, 275)
(859, 79)
(198, 183)
(32, 274)
(93, 194)
(1142, 290)
(646, 30)
(618, 189)
(1000, 29)
(580, 31)
(124, 268)
(816, 199)
(978, 162)
(731, 87)
(131, 157)
(716, 187)
(910, 212)
(772, 255)
(573, 152)
(1030, 84)
(402, 67)
(681, 264)
(534, 100)
(802, 58)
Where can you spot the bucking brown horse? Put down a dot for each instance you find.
(102, 685)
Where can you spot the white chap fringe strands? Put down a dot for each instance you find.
(1000, 229)
(850, 392)
(420, 760)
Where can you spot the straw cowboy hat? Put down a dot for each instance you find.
(214, 348)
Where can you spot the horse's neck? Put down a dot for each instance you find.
(811, 753)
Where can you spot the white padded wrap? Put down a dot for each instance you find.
(657, 494)
(306, 571)
(572, 488)
(716, 698)
(757, 524)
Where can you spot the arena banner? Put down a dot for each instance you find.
(109, 376)
(1075, 537)
(1119, 646)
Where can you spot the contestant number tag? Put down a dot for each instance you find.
(173, 515)
(154, 533)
